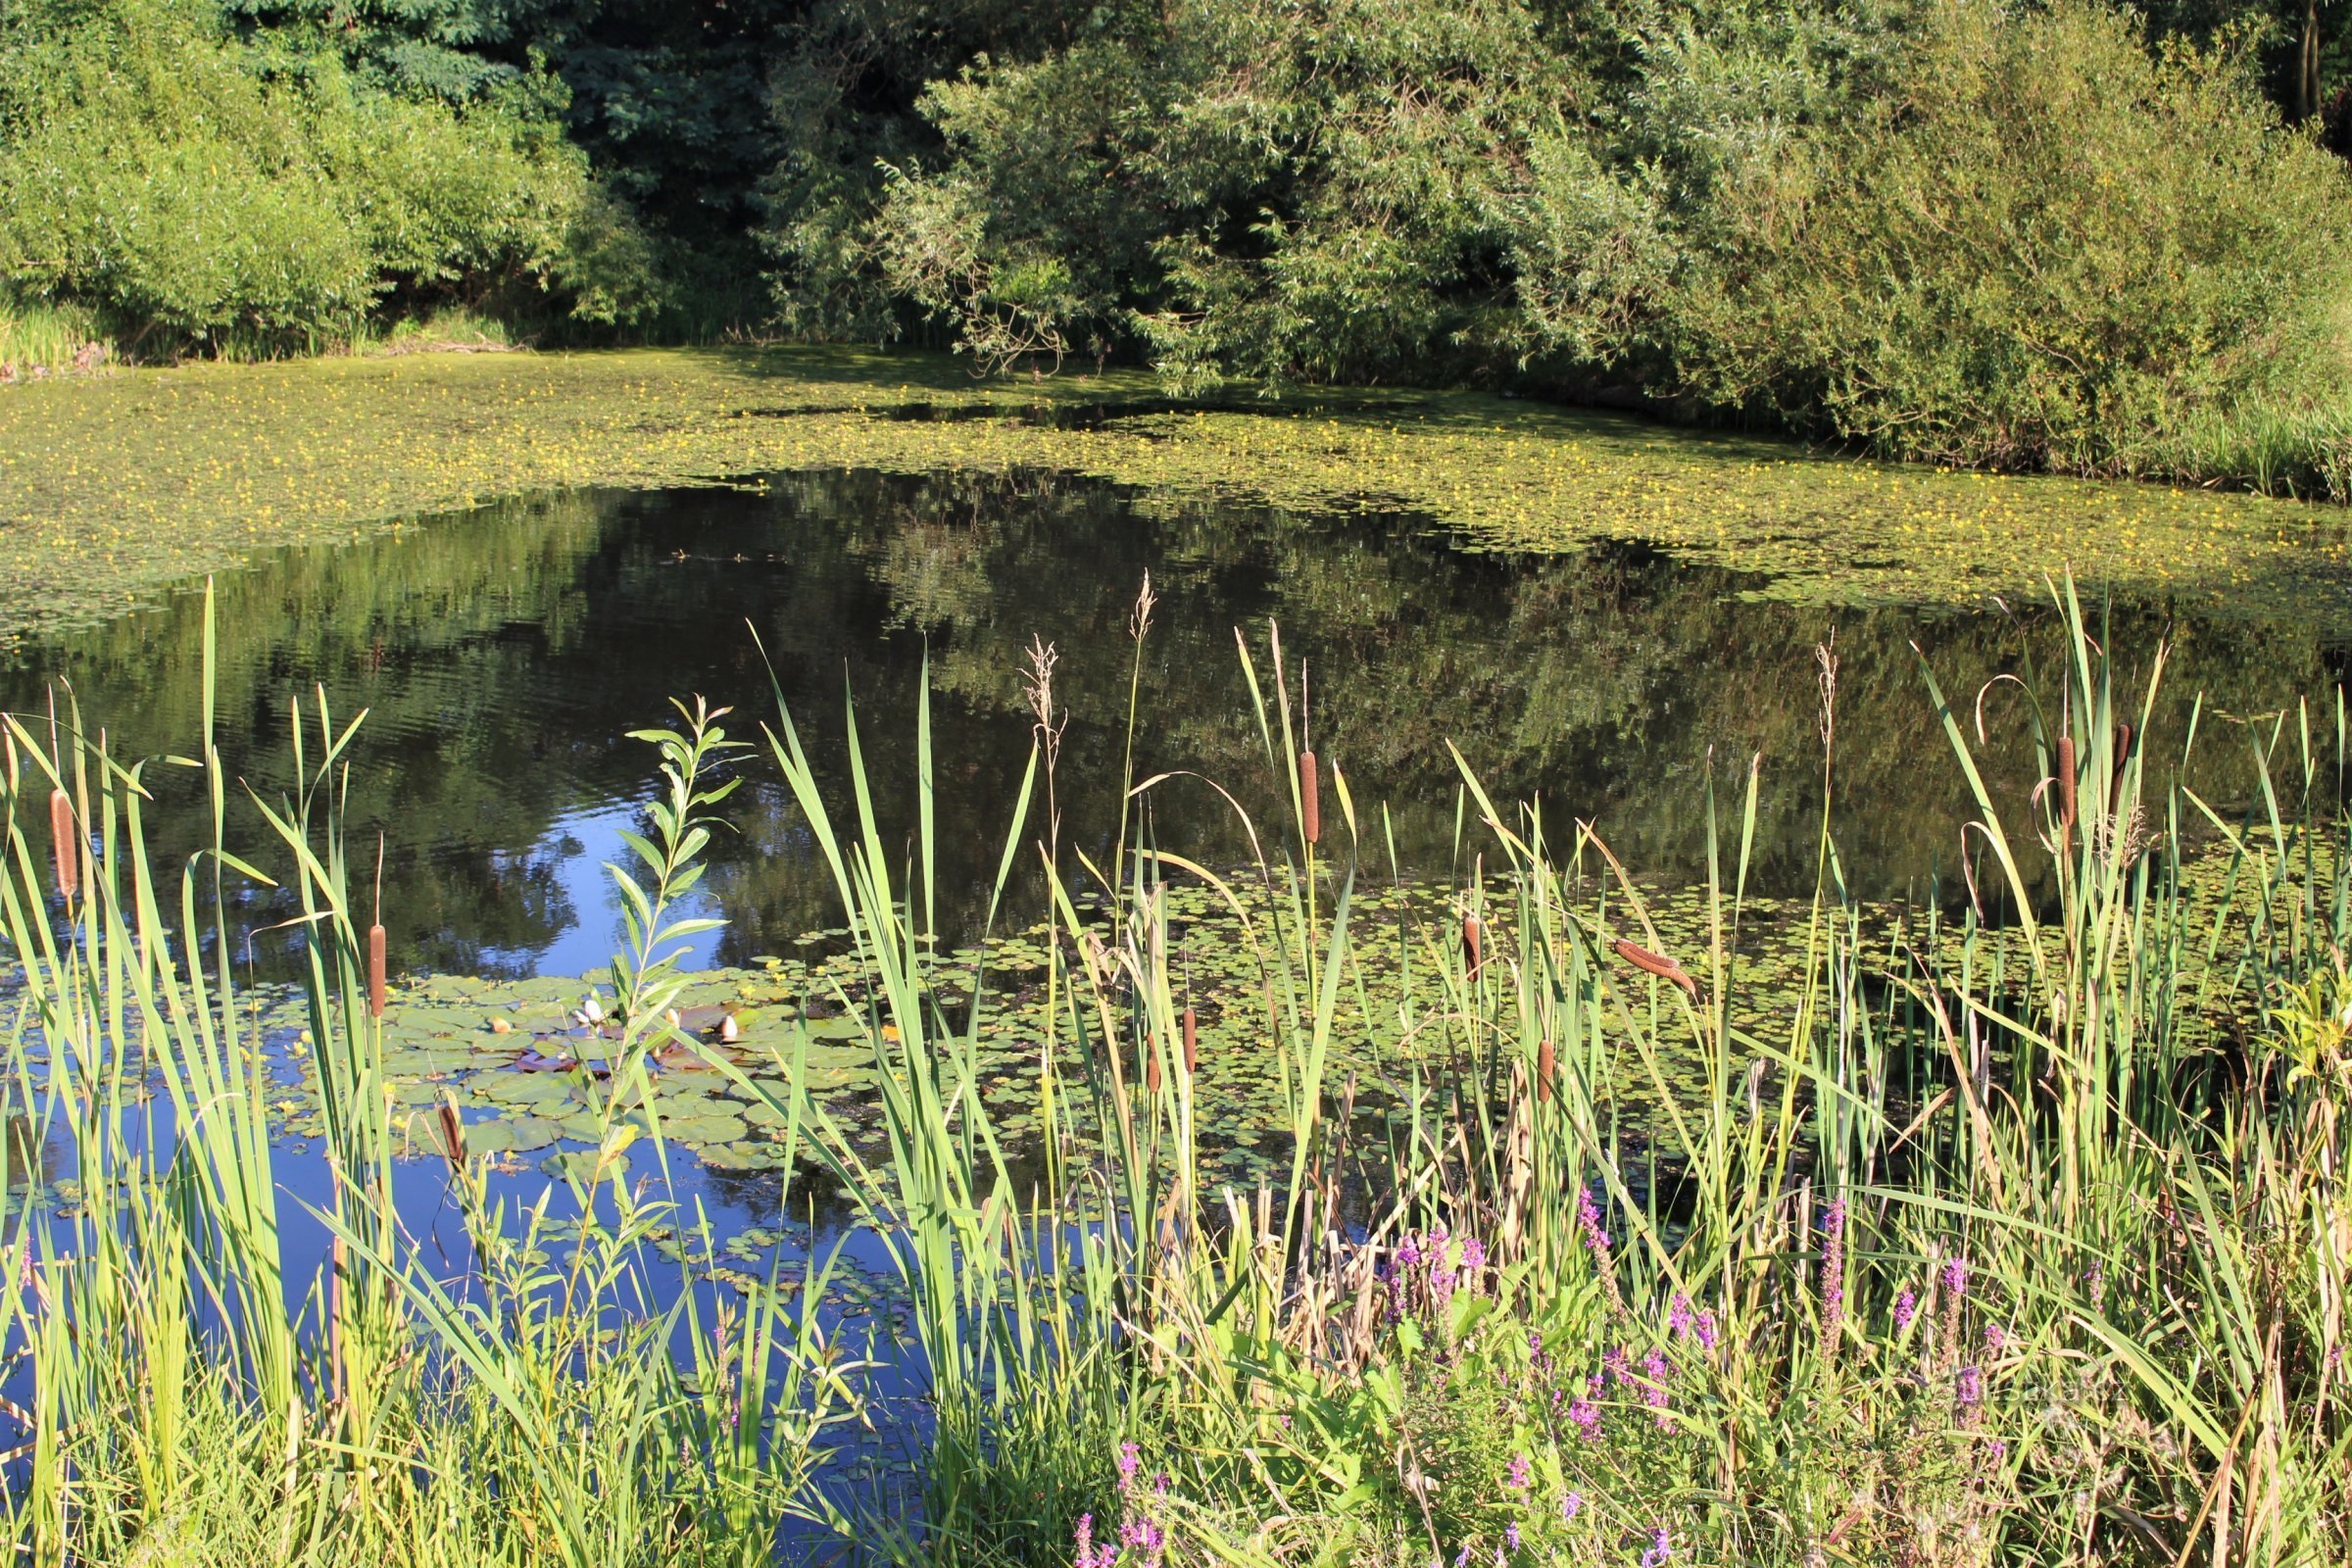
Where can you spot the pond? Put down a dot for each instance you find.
(503, 655)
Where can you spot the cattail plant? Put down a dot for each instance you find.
(1655, 963)
(65, 845)
(2066, 791)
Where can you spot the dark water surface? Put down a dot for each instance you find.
(503, 656)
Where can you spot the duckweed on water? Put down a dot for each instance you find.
(114, 486)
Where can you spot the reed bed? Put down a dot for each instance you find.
(2013, 1236)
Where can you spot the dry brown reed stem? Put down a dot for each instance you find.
(375, 971)
(1648, 962)
(1310, 799)
(64, 843)
(1192, 1042)
(2066, 791)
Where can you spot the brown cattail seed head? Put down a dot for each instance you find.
(453, 1134)
(1657, 964)
(1544, 1068)
(1310, 798)
(1471, 943)
(2066, 788)
(1151, 1065)
(1192, 1042)
(2122, 755)
(64, 843)
(375, 971)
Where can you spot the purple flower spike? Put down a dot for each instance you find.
(1510, 1534)
(1970, 1387)
(1680, 1317)
(1520, 1477)
(1474, 1255)
(1906, 1308)
(1955, 1276)
(1660, 1548)
(1570, 1506)
(1588, 1217)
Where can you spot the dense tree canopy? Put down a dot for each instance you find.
(1979, 230)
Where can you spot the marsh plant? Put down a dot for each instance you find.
(2014, 1235)
(190, 1391)
(2013, 1231)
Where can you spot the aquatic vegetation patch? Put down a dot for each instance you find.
(113, 488)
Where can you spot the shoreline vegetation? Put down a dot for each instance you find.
(117, 488)
(2016, 1239)
(2073, 238)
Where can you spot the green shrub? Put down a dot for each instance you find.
(203, 191)
(2035, 244)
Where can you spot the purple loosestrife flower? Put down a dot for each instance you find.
(1704, 1328)
(2096, 1278)
(1519, 1477)
(1679, 1316)
(1089, 1555)
(1660, 1548)
(1474, 1255)
(1463, 1561)
(1955, 1277)
(1970, 1387)
(1130, 1460)
(1511, 1536)
(1588, 1217)
(1995, 1338)
(1570, 1506)
(1653, 1391)
(1906, 1308)
(1584, 1416)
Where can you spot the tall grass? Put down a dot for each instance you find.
(192, 1394)
(2013, 1229)
(2015, 1236)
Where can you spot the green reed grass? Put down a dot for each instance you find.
(196, 1395)
(2013, 1235)
(2120, 1222)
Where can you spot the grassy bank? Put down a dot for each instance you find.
(2015, 1236)
(114, 487)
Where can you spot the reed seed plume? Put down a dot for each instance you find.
(1139, 619)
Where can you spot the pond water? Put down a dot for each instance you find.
(503, 655)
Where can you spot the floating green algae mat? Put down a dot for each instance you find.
(114, 485)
